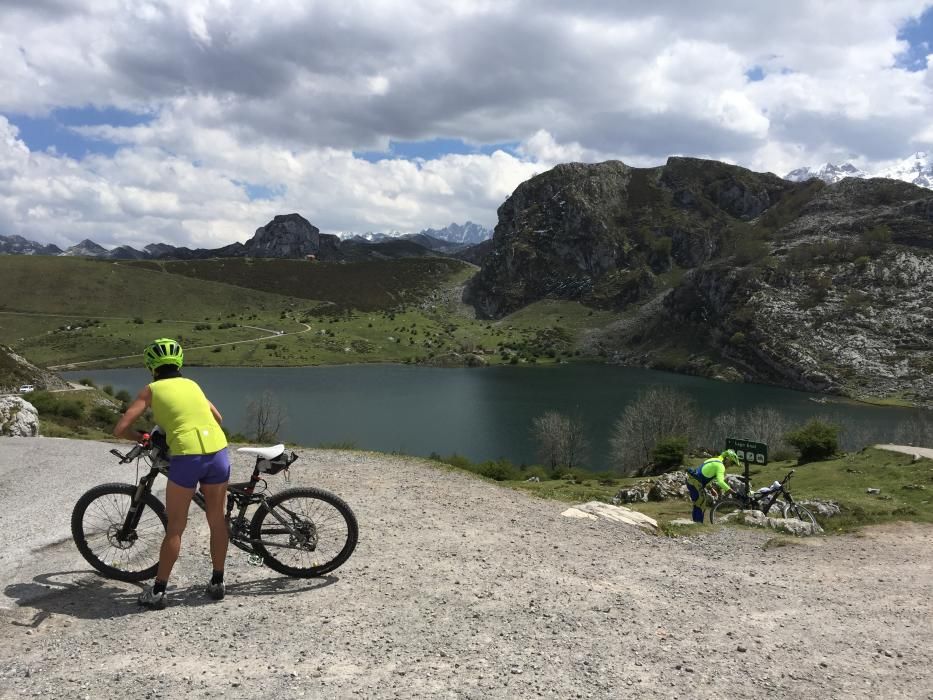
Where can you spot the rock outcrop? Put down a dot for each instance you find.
(18, 417)
(16, 370)
(729, 274)
(596, 510)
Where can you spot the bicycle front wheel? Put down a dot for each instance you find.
(304, 532)
(97, 528)
(795, 510)
(725, 510)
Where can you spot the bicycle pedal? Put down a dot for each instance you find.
(254, 560)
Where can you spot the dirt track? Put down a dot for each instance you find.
(462, 589)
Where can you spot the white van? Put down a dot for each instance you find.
(26, 389)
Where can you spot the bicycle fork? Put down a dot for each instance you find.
(135, 512)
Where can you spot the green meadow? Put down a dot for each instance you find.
(73, 312)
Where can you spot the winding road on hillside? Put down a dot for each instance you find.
(459, 588)
(273, 334)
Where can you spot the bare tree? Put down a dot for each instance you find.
(655, 414)
(265, 417)
(561, 439)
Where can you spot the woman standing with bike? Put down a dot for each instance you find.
(712, 471)
(198, 450)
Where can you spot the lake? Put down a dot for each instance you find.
(478, 413)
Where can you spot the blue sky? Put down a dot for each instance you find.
(402, 116)
(919, 33)
(57, 129)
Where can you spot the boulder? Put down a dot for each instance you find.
(755, 518)
(824, 509)
(596, 510)
(631, 494)
(668, 486)
(18, 418)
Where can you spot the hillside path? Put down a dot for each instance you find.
(459, 588)
(909, 449)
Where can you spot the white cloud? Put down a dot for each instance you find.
(281, 93)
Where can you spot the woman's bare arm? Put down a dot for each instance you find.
(219, 418)
(123, 428)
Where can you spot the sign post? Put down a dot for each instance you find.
(748, 451)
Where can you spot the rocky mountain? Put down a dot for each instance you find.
(17, 245)
(719, 271)
(916, 169)
(286, 236)
(88, 249)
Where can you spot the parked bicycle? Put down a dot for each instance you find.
(301, 532)
(774, 501)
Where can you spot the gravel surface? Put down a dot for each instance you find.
(461, 589)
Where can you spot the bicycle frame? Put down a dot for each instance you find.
(765, 502)
(241, 495)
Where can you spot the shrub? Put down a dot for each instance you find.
(69, 409)
(669, 452)
(86, 382)
(108, 390)
(501, 470)
(815, 441)
(123, 395)
(103, 415)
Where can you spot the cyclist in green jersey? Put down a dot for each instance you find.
(710, 474)
(198, 455)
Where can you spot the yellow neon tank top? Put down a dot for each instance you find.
(183, 412)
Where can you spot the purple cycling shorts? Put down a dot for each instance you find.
(188, 470)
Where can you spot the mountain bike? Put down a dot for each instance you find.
(771, 498)
(301, 532)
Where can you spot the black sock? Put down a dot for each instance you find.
(159, 586)
(217, 577)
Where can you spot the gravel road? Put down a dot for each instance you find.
(459, 589)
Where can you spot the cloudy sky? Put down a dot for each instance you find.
(195, 121)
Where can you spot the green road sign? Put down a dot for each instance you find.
(748, 451)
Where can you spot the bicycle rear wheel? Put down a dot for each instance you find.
(304, 532)
(725, 510)
(96, 522)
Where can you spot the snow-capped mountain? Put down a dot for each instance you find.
(827, 173)
(461, 234)
(17, 245)
(917, 169)
(466, 234)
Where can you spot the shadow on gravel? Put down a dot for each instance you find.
(79, 594)
(89, 596)
(193, 596)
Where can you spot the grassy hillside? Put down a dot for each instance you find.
(366, 286)
(59, 311)
(905, 485)
(80, 288)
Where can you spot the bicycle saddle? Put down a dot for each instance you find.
(263, 452)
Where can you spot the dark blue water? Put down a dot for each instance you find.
(479, 413)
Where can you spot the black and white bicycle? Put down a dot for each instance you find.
(301, 532)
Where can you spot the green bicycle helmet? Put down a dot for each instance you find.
(730, 455)
(163, 351)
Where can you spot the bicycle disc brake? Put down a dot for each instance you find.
(254, 560)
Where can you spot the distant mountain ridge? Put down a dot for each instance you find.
(286, 236)
(916, 169)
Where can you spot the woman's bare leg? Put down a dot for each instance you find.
(177, 501)
(215, 500)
